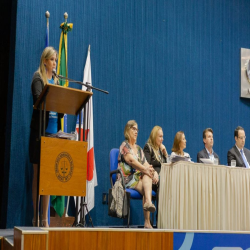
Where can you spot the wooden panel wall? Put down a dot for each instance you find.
(7, 245)
(30, 239)
(17, 239)
(112, 240)
(35, 241)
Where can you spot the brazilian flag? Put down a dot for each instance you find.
(58, 202)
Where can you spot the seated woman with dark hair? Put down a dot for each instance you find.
(155, 152)
(178, 146)
(138, 174)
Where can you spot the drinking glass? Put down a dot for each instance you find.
(216, 161)
(168, 159)
(233, 163)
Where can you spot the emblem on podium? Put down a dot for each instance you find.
(64, 167)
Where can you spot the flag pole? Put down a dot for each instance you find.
(65, 16)
(67, 206)
(47, 15)
(38, 201)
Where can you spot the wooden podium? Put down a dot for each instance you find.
(63, 167)
(63, 100)
(63, 163)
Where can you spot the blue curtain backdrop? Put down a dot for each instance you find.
(173, 63)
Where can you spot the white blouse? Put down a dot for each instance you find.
(173, 154)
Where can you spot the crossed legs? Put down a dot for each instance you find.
(144, 187)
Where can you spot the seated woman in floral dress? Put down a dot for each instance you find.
(138, 174)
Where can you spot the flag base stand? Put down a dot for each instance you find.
(81, 212)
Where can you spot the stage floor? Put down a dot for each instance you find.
(6, 232)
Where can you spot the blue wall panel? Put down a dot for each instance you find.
(169, 63)
(208, 240)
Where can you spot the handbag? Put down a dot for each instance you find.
(125, 207)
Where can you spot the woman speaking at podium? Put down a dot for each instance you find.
(42, 77)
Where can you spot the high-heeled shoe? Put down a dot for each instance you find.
(34, 223)
(44, 223)
(149, 207)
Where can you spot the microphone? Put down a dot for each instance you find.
(54, 73)
(63, 78)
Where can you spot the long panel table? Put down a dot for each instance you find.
(196, 196)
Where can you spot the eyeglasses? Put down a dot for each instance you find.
(135, 129)
(242, 137)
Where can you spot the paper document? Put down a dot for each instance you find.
(62, 135)
(206, 161)
(180, 158)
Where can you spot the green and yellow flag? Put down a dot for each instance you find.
(62, 68)
(58, 202)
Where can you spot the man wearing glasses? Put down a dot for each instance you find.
(238, 153)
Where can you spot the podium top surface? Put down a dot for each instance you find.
(63, 100)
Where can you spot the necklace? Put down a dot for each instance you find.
(159, 155)
(134, 150)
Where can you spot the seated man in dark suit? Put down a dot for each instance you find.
(208, 152)
(238, 152)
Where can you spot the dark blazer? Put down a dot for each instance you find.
(234, 154)
(37, 88)
(151, 159)
(203, 154)
(34, 143)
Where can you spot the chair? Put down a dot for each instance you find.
(113, 164)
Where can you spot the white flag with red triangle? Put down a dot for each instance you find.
(89, 137)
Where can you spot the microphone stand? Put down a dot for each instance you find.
(83, 204)
(79, 82)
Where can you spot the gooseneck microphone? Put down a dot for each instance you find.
(87, 85)
(54, 73)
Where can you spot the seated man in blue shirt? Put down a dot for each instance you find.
(208, 152)
(238, 152)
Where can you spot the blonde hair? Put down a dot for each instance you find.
(152, 140)
(48, 52)
(128, 126)
(177, 140)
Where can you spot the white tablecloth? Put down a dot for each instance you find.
(197, 196)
